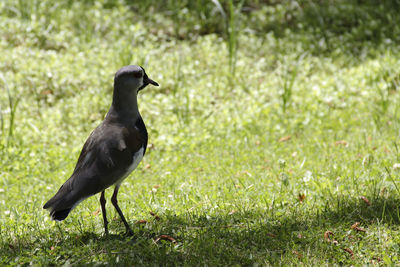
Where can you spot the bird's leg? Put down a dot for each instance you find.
(114, 201)
(103, 211)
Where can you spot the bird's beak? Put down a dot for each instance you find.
(147, 80)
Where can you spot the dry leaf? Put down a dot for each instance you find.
(238, 186)
(327, 235)
(166, 238)
(299, 256)
(156, 186)
(341, 142)
(95, 213)
(366, 200)
(46, 92)
(154, 215)
(382, 193)
(141, 222)
(349, 251)
(302, 197)
(285, 138)
(271, 235)
(147, 166)
(358, 229)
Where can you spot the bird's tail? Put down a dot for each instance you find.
(61, 204)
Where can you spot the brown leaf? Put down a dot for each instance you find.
(147, 166)
(349, 251)
(156, 186)
(327, 235)
(285, 138)
(46, 92)
(341, 142)
(301, 197)
(299, 255)
(154, 215)
(366, 200)
(358, 229)
(166, 238)
(141, 222)
(271, 235)
(95, 213)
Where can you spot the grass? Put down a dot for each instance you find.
(274, 126)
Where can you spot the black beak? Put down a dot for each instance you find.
(147, 80)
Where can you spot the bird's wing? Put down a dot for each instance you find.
(103, 161)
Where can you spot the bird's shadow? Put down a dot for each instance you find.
(237, 237)
(228, 238)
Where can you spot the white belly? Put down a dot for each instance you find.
(137, 157)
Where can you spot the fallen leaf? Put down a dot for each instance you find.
(358, 229)
(238, 186)
(299, 255)
(349, 251)
(285, 138)
(382, 193)
(95, 213)
(271, 235)
(147, 166)
(341, 142)
(366, 200)
(141, 222)
(156, 186)
(154, 215)
(166, 238)
(301, 197)
(46, 92)
(377, 258)
(327, 235)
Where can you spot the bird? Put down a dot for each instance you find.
(112, 151)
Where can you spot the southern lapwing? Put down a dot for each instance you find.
(112, 151)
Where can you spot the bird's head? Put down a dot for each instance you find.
(132, 77)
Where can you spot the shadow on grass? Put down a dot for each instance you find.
(263, 236)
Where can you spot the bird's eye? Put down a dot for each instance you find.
(137, 74)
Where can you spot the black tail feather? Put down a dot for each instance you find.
(60, 215)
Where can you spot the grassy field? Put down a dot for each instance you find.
(273, 138)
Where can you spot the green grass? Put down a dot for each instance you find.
(271, 122)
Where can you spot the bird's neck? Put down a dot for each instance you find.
(124, 105)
